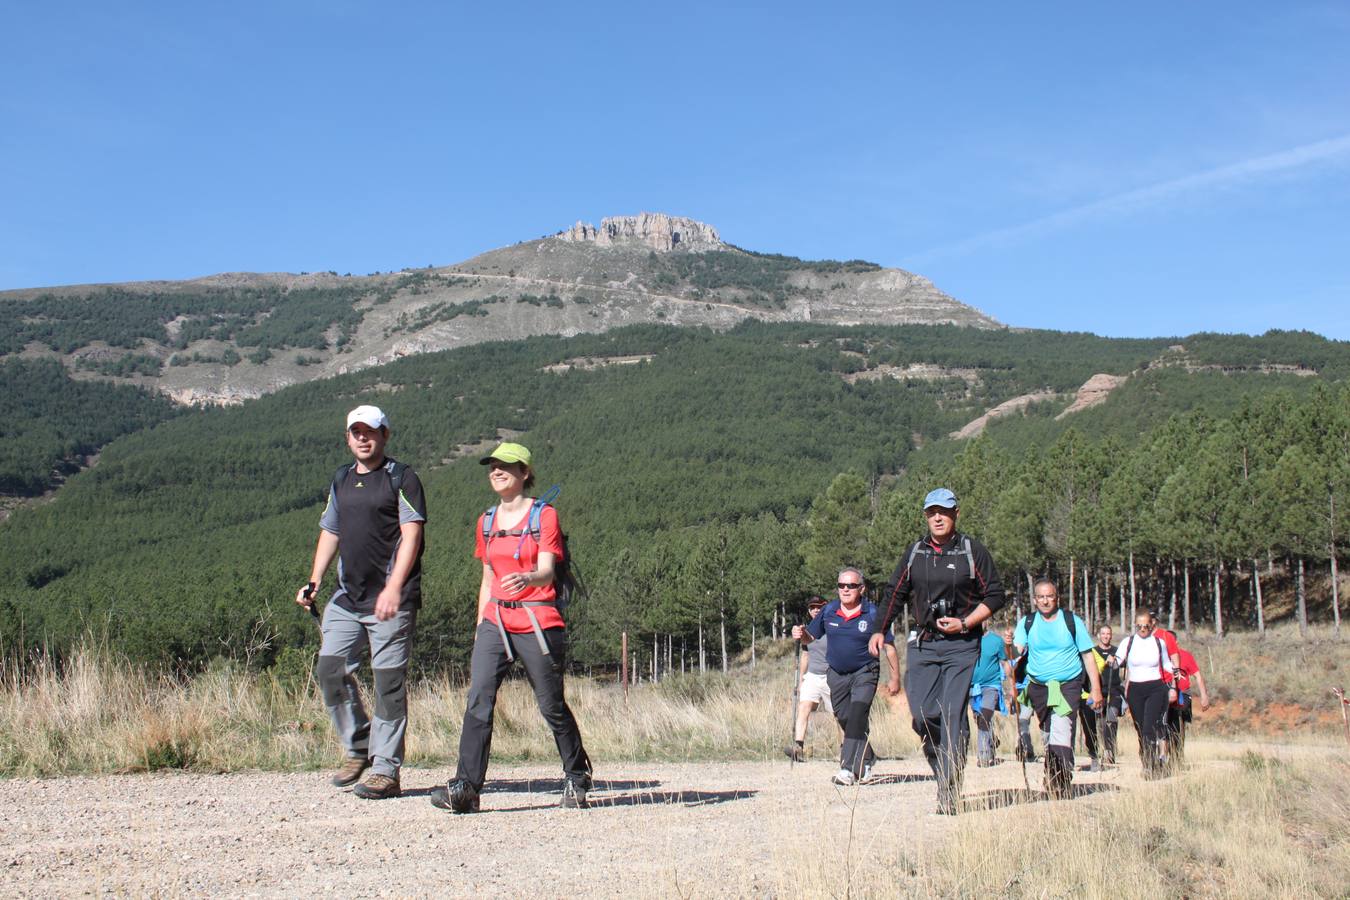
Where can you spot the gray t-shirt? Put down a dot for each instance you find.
(815, 657)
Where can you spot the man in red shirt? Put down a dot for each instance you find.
(1179, 713)
(1168, 638)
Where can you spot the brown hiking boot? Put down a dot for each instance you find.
(351, 770)
(378, 787)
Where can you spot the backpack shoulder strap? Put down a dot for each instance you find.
(1031, 620)
(396, 470)
(970, 557)
(340, 474)
(909, 560)
(1071, 625)
(489, 515)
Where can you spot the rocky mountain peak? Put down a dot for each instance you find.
(655, 230)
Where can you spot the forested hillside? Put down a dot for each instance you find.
(712, 479)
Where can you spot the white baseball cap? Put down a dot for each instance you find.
(370, 415)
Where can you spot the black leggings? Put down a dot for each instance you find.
(1148, 705)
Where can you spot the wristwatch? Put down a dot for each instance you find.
(965, 629)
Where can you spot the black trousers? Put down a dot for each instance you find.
(487, 669)
(1099, 731)
(851, 695)
(1148, 705)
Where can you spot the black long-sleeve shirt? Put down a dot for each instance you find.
(961, 571)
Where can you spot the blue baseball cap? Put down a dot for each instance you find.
(940, 497)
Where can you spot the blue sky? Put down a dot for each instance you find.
(1140, 169)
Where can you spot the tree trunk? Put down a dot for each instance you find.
(1218, 600)
(1335, 571)
(656, 654)
(1260, 605)
(1186, 596)
(1103, 614)
(752, 645)
(1087, 598)
(1302, 601)
(1335, 591)
(1172, 590)
(1134, 594)
(1072, 573)
(684, 653)
(722, 615)
(702, 651)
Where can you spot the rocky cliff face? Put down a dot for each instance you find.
(655, 230)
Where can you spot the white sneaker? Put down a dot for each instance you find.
(867, 774)
(844, 777)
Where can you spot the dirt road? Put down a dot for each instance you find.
(691, 829)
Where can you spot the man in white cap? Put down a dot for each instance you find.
(373, 524)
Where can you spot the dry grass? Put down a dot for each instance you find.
(97, 714)
(1242, 826)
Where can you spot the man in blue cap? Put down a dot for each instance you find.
(951, 585)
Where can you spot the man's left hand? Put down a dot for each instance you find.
(387, 604)
(948, 625)
(892, 687)
(1097, 702)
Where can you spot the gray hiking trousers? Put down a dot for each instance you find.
(346, 636)
(938, 674)
(987, 744)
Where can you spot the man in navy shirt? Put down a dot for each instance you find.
(854, 672)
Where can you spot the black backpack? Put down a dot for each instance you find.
(566, 579)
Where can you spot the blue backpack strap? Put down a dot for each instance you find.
(532, 521)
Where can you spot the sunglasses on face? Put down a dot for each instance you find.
(848, 586)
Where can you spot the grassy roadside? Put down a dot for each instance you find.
(1238, 823)
(97, 713)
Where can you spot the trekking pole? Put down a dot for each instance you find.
(796, 701)
(313, 604)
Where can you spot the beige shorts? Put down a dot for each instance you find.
(815, 689)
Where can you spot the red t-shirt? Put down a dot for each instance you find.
(499, 554)
(1169, 640)
(1188, 668)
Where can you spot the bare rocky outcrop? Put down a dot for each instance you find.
(655, 230)
(1094, 392)
(1006, 408)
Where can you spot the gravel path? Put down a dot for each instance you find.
(700, 828)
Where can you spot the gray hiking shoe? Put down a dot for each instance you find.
(1096, 765)
(378, 787)
(574, 794)
(351, 771)
(844, 777)
(458, 796)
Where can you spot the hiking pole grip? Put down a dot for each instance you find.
(310, 589)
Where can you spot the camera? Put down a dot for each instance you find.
(941, 608)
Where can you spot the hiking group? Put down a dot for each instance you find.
(945, 585)
(1044, 665)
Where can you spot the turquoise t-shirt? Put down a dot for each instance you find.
(1053, 655)
(988, 672)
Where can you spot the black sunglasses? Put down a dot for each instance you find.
(848, 586)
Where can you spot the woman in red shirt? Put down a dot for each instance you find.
(519, 543)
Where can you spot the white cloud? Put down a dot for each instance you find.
(1152, 195)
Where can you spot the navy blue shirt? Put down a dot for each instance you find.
(847, 649)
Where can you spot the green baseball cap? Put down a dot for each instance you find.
(507, 453)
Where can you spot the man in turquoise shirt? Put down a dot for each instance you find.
(1059, 656)
(986, 693)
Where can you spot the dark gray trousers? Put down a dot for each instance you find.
(487, 669)
(851, 695)
(938, 675)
